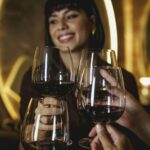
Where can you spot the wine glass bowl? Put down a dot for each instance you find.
(51, 75)
(102, 98)
(96, 57)
(45, 126)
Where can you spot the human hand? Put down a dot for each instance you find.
(46, 110)
(109, 137)
(132, 110)
(133, 113)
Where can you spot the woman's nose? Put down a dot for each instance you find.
(62, 25)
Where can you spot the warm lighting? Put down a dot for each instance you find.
(145, 90)
(112, 25)
(128, 24)
(1, 3)
(145, 81)
(1, 81)
(8, 95)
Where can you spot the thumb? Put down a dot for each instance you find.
(104, 137)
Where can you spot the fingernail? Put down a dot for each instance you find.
(99, 128)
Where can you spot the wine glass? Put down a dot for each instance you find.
(40, 132)
(53, 77)
(101, 97)
(53, 71)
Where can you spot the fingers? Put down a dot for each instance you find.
(104, 137)
(49, 106)
(48, 123)
(117, 95)
(49, 111)
(49, 127)
(92, 132)
(120, 141)
(48, 114)
(28, 131)
(111, 138)
(96, 144)
(116, 92)
(51, 101)
(115, 89)
(108, 77)
(114, 133)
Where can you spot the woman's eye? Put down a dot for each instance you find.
(72, 16)
(52, 22)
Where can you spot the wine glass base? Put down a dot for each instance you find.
(85, 143)
(70, 142)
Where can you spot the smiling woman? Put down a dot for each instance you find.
(79, 26)
(73, 14)
(76, 28)
(21, 30)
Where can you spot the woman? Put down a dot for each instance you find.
(77, 25)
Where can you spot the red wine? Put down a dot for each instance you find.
(101, 94)
(45, 145)
(104, 113)
(99, 111)
(54, 88)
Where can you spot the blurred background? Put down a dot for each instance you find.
(127, 29)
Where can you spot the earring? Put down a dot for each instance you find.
(93, 31)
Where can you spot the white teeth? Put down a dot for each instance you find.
(65, 37)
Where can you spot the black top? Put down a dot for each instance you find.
(79, 127)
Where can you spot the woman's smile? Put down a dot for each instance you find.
(65, 37)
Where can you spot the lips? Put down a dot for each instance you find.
(65, 37)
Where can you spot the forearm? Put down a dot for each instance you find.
(136, 119)
(143, 128)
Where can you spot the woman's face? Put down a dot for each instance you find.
(70, 28)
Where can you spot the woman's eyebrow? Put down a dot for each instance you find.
(54, 14)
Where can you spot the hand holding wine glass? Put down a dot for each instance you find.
(45, 127)
(98, 98)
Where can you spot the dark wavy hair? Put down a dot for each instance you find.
(90, 8)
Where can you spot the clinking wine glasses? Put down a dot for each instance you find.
(46, 124)
(101, 93)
